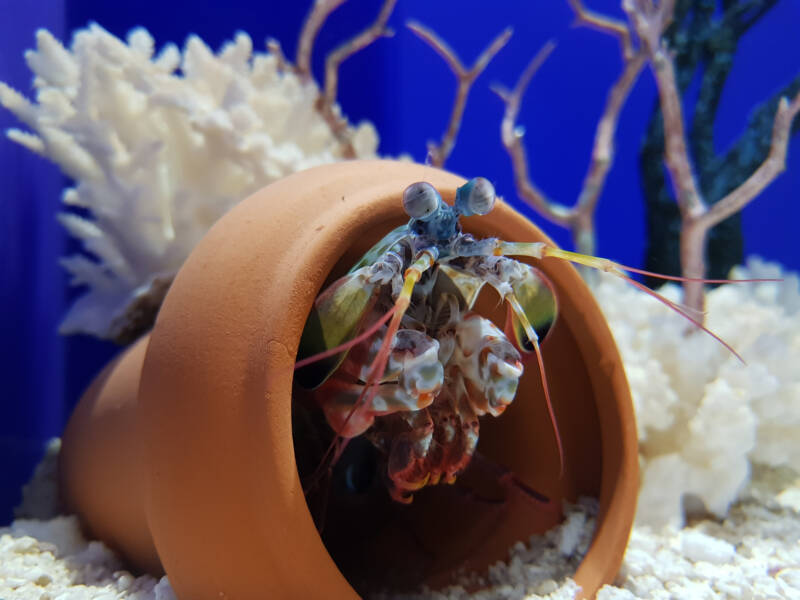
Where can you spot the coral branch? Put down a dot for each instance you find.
(603, 150)
(327, 101)
(466, 77)
(676, 155)
(305, 45)
(703, 44)
(512, 135)
(153, 174)
(584, 16)
(350, 47)
(649, 22)
(580, 217)
(773, 166)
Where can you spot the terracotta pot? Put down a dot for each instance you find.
(210, 475)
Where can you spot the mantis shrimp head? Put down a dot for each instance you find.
(437, 222)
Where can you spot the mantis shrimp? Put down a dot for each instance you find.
(394, 350)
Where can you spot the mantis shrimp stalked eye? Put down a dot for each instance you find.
(476, 197)
(421, 200)
(395, 351)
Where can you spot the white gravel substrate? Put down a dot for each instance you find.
(753, 554)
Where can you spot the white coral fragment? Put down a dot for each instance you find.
(159, 154)
(703, 417)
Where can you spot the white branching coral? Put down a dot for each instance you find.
(159, 147)
(703, 417)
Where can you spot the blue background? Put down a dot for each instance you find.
(406, 90)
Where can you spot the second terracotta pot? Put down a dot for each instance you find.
(220, 489)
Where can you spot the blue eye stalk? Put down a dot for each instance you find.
(476, 197)
(432, 218)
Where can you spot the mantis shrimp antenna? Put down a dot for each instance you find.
(349, 344)
(534, 340)
(542, 250)
(618, 269)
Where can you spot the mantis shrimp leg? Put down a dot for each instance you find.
(407, 439)
(424, 261)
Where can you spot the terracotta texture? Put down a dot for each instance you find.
(207, 444)
(100, 465)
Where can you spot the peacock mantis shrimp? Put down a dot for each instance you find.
(394, 350)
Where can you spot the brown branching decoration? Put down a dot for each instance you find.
(588, 18)
(305, 45)
(773, 166)
(648, 21)
(703, 40)
(326, 102)
(580, 217)
(346, 50)
(438, 154)
(512, 135)
(695, 226)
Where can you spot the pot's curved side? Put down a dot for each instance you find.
(100, 463)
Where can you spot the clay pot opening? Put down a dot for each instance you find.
(510, 490)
